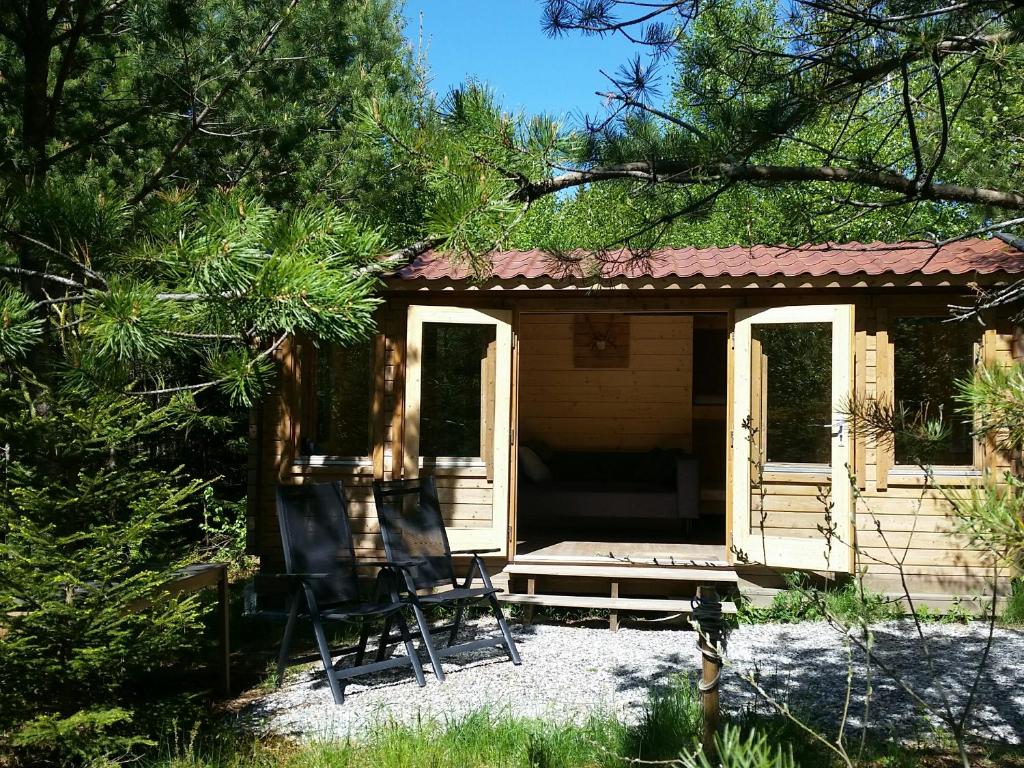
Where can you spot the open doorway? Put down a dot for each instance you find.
(622, 436)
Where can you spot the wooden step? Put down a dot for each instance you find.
(625, 572)
(659, 605)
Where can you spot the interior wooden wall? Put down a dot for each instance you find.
(647, 405)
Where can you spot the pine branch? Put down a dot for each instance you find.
(674, 172)
(154, 181)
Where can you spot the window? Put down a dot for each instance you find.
(796, 364)
(929, 355)
(338, 415)
(454, 413)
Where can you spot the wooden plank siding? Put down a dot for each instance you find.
(646, 405)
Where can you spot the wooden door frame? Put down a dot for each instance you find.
(501, 319)
(801, 553)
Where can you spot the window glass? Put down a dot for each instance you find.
(341, 401)
(797, 363)
(452, 409)
(710, 364)
(929, 355)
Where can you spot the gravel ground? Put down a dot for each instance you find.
(570, 672)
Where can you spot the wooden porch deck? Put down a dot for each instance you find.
(618, 577)
(621, 553)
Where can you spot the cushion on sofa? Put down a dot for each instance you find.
(533, 466)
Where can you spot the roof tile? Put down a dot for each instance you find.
(963, 257)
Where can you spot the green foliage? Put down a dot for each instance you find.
(995, 398)
(991, 517)
(802, 601)
(670, 722)
(20, 330)
(1013, 612)
(669, 726)
(737, 749)
(91, 529)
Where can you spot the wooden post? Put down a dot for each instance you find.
(531, 589)
(613, 615)
(708, 616)
(224, 607)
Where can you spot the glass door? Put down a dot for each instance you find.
(790, 444)
(457, 416)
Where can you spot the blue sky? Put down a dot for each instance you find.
(501, 43)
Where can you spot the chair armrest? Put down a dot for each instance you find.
(476, 551)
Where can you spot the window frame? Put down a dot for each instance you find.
(308, 411)
(913, 472)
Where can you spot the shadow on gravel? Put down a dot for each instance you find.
(808, 672)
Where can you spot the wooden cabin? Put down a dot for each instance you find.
(631, 426)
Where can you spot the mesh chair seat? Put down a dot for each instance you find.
(461, 593)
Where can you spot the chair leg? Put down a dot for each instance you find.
(286, 639)
(325, 655)
(364, 636)
(414, 659)
(459, 610)
(428, 641)
(382, 647)
(510, 644)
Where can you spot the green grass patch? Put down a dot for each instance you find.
(803, 602)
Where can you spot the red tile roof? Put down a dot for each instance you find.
(964, 257)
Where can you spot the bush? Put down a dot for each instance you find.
(1013, 611)
(804, 602)
(89, 533)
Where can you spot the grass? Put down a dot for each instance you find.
(801, 602)
(669, 725)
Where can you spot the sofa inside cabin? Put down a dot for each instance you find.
(616, 491)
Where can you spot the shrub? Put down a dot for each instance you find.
(89, 532)
(802, 601)
(1013, 611)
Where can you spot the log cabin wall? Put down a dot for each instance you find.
(645, 404)
(918, 525)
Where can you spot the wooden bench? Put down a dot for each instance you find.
(194, 578)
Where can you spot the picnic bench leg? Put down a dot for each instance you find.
(224, 604)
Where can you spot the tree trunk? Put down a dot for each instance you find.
(35, 113)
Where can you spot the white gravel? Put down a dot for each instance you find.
(569, 673)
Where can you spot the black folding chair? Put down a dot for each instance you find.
(321, 566)
(413, 530)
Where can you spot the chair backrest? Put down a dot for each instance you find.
(316, 538)
(413, 529)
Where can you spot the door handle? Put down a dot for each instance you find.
(838, 427)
